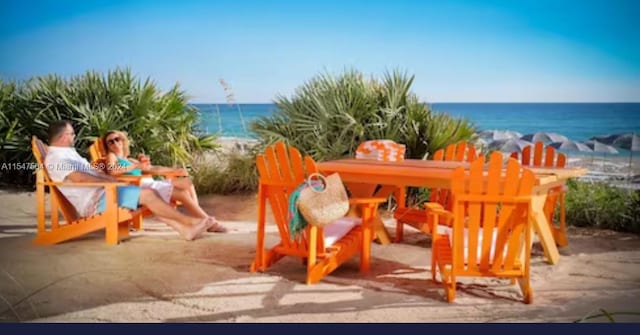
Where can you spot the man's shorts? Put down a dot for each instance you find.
(128, 197)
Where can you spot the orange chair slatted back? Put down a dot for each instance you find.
(281, 170)
(492, 206)
(491, 233)
(459, 152)
(539, 156)
(68, 211)
(96, 150)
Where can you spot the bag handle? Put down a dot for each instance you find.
(322, 179)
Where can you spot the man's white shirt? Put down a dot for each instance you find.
(60, 162)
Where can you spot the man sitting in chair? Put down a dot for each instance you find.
(64, 164)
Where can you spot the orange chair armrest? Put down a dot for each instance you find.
(364, 201)
(130, 179)
(434, 207)
(167, 174)
(170, 174)
(181, 173)
(104, 184)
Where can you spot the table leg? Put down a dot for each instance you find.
(401, 199)
(542, 228)
(559, 233)
(380, 231)
(366, 190)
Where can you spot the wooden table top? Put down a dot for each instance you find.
(436, 169)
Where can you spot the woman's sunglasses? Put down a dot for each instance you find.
(114, 140)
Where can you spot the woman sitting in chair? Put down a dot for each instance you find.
(116, 144)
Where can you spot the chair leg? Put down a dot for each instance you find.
(450, 288)
(123, 230)
(368, 215)
(559, 231)
(527, 292)
(433, 265)
(561, 239)
(136, 222)
(399, 231)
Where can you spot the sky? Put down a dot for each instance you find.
(458, 51)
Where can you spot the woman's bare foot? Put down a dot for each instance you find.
(192, 232)
(217, 227)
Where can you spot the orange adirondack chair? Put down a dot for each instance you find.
(549, 157)
(282, 169)
(96, 150)
(98, 153)
(491, 232)
(414, 217)
(98, 156)
(114, 220)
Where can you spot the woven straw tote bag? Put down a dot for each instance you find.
(325, 201)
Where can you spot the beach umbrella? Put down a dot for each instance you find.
(635, 146)
(509, 145)
(628, 141)
(497, 135)
(569, 145)
(544, 137)
(597, 146)
(606, 139)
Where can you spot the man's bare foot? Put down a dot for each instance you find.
(217, 227)
(192, 232)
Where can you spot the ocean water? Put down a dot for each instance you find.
(577, 121)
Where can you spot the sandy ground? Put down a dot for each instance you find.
(156, 277)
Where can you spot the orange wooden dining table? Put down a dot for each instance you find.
(438, 174)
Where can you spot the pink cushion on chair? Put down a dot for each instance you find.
(337, 229)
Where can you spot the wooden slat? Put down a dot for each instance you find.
(537, 154)
(563, 173)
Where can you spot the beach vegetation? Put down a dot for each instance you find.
(330, 115)
(600, 205)
(226, 173)
(160, 124)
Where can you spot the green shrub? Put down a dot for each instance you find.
(329, 116)
(597, 204)
(227, 173)
(161, 124)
